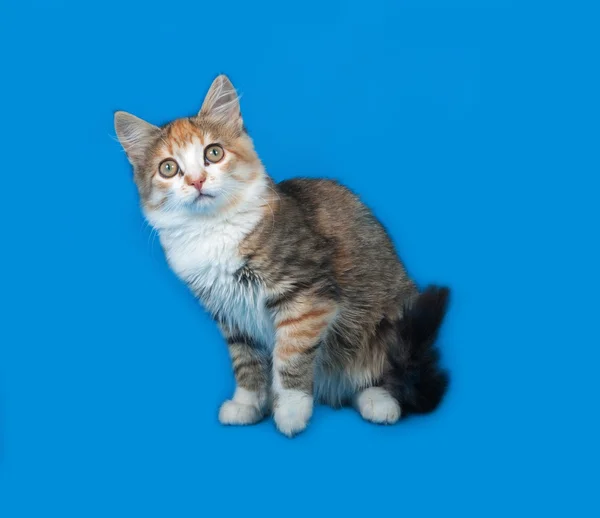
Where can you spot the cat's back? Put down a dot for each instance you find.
(363, 254)
(321, 194)
(335, 211)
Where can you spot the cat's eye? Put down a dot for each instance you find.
(214, 153)
(168, 168)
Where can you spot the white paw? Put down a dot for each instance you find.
(375, 404)
(232, 412)
(293, 411)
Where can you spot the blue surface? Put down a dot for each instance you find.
(487, 117)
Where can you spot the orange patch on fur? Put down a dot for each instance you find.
(242, 151)
(311, 333)
(182, 132)
(252, 176)
(310, 314)
(250, 179)
(285, 351)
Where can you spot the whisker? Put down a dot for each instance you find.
(271, 209)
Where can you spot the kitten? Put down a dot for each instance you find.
(301, 278)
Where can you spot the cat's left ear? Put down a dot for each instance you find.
(222, 102)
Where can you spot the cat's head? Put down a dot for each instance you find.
(200, 165)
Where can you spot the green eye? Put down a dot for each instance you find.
(214, 153)
(168, 168)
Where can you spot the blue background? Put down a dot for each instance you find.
(487, 116)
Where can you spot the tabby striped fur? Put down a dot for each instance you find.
(302, 279)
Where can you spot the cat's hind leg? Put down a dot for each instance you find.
(377, 405)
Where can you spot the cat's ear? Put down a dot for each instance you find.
(222, 102)
(135, 135)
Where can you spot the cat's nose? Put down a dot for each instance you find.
(198, 184)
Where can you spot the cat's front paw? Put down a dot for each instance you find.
(234, 413)
(292, 411)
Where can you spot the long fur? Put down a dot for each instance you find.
(303, 280)
(416, 379)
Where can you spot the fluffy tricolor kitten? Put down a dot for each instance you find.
(303, 281)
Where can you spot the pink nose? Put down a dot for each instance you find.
(198, 184)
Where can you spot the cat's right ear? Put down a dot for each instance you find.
(135, 135)
(222, 102)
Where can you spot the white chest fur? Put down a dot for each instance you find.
(206, 256)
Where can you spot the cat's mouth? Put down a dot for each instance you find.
(201, 202)
(203, 196)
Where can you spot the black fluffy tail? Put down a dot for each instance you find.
(417, 380)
